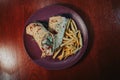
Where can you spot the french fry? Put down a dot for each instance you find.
(73, 34)
(69, 35)
(66, 39)
(68, 47)
(72, 41)
(77, 43)
(62, 55)
(77, 40)
(65, 43)
(74, 52)
(74, 24)
(69, 30)
(57, 52)
(80, 39)
(68, 23)
(72, 28)
(67, 54)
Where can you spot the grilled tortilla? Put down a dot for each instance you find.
(57, 25)
(43, 38)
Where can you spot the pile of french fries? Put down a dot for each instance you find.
(72, 41)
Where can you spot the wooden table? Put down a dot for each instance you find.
(101, 60)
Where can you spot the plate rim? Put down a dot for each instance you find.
(82, 24)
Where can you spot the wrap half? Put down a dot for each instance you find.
(43, 38)
(57, 25)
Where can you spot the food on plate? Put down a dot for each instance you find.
(57, 25)
(61, 40)
(72, 41)
(43, 38)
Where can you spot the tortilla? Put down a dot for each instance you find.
(43, 38)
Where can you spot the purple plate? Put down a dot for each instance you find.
(32, 48)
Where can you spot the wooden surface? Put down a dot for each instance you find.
(101, 60)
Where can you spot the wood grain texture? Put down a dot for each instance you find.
(101, 60)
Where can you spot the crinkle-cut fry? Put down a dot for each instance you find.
(74, 24)
(57, 52)
(62, 55)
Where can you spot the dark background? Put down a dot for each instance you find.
(101, 60)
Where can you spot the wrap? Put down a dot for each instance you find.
(57, 25)
(43, 38)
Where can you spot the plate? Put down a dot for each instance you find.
(32, 48)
